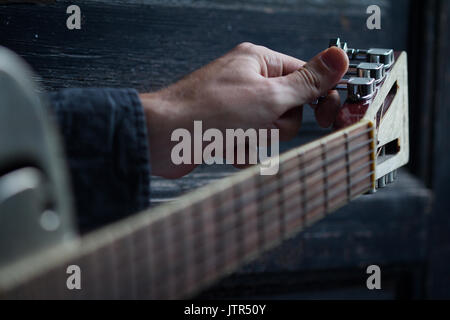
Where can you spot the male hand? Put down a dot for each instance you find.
(249, 87)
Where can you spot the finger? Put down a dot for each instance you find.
(311, 81)
(289, 123)
(327, 108)
(279, 64)
(273, 63)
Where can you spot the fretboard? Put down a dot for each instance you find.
(179, 248)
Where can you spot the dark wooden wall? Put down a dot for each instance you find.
(439, 246)
(147, 44)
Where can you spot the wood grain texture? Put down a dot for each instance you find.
(149, 44)
(439, 275)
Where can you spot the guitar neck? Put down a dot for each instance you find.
(175, 250)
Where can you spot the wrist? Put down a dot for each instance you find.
(163, 115)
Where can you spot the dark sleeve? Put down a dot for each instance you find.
(105, 141)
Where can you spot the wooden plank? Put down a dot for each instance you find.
(439, 243)
(149, 44)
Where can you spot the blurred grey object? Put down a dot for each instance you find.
(35, 205)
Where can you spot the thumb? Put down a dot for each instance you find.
(315, 78)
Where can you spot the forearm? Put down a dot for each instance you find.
(106, 145)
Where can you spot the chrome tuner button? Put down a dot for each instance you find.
(360, 88)
(390, 177)
(394, 174)
(336, 42)
(384, 56)
(381, 182)
(371, 70)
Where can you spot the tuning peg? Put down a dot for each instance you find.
(390, 177)
(394, 174)
(381, 182)
(360, 88)
(335, 42)
(384, 56)
(357, 88)
(369, 70)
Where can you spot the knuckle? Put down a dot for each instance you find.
(310, 79)
(245, 47)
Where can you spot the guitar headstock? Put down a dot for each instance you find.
(376, 86)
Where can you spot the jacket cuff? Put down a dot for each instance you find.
(106, 144)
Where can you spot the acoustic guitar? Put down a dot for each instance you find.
(179, 248)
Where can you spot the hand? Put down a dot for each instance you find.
(249, 87)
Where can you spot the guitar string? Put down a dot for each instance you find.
(286, 184)
(271, 187)
(309, 206)
(292, 229)
(303, 201)
(323, 164)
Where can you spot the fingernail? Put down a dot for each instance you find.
(332, 59)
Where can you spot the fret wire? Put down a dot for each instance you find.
(325, 178)
(367, 176)
(181, 253)
(318, 202)
(329, 160)
(195, 228)
(305, 200)
(312, 204)
(347, 160)
(292, 178)
(200, 227)
(253, 199)
(164, 261)
(303, 176)
(311, 196)
(239, 219)
(132, 266)
(336, 193)
(314, 195)
(218, 212)
(259, 213)
(288, 168)
(280, 192)
(332, 147)
(305, 172)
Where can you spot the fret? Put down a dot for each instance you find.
(176, 249)
(143, 254)
(123, 264)
(237, 204)
(304, 192)
(161, 262)
(325, 174)
(260, 212)
(281, 199)
(342, 191)
(347, 160)
(218, 242)
(175, 253)
(192, 274)
(263, 209)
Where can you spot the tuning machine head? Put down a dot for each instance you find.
(384, 56)
(371, 70)
(336, 42)
(360, 88)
